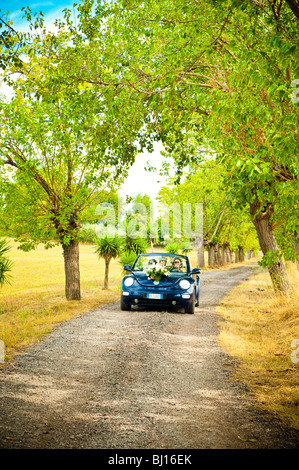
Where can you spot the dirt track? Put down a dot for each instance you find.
(136, 380)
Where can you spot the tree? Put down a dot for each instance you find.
(203, 184)
(101, 199)
(5, 263)
(224, 226)
(221, 72)
(212, 76)
(108, 248)
(63, 138)
(59, 157)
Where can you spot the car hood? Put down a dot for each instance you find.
(171, 280)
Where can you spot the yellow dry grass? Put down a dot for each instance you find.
(260, 330)
(35, 301)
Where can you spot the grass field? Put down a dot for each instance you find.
(259, 331)
(35, 301)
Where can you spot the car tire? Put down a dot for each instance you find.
(190, 309)
(124, 306)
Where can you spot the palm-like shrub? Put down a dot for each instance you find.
(128, 257)
(135, 245)
(5, 264)
(186, 248)
(108, 248)
(173, 248)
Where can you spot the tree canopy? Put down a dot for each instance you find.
(201, 76)
(61, 144)
(217, 77)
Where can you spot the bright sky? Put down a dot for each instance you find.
(139, 181)
(52, 9)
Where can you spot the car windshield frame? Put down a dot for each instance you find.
(174, 270)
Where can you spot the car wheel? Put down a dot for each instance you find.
(124, 306)
(190, 309)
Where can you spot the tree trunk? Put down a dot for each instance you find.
(241, 254)
(201, 256)
(294, 7)
(211, 255)
(107, 262)
(262, 223)
(200, 251)
(225, 253)
(72, 271)
(219, 255)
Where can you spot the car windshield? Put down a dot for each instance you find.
(173, 263)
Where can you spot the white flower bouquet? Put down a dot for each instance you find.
(156, 272)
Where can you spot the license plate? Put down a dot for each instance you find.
(154, 296)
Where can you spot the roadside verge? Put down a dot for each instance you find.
(261, 330)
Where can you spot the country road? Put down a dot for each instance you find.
(136, 380)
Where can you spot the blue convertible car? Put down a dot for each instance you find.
(160, 280)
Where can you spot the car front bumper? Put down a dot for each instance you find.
(167, 298)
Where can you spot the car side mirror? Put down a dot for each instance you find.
(127, 267)
(195, 271)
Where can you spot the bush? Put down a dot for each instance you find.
(173, 248)
(5, 264)
(135, 245)
(128, 257)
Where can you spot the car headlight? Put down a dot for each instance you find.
(128, 281)
(184, 284)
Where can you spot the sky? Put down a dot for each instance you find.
(139, 180)
(50, 8)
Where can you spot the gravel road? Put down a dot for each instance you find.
(136, 380)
